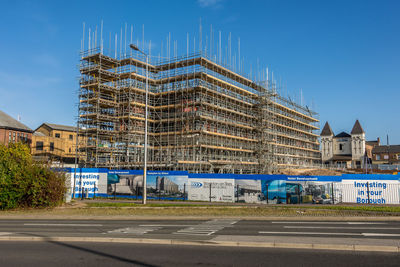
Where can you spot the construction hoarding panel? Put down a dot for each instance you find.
(125, 182)
(370, 191)
(90, 180)
(311, 189)
(214, 190)
(249, 191)
(159, 184)
(167, 184)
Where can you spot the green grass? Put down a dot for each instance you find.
(203, 210)
(121, 204)
(356, 208)
(391, 209)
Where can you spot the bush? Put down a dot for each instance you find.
(24, 183)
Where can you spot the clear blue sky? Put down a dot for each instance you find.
(343, 55)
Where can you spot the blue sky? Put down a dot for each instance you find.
(344, 56)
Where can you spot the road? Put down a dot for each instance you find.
(116, 254)
(216, 242)
(202, 229)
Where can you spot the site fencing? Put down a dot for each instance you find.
(260, 189)
(310, 193)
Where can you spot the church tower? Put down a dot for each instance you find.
(357, 145)
(327, 142)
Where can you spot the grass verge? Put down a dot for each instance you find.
(392, 209)
(200, 210)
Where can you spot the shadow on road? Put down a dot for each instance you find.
(95, 252)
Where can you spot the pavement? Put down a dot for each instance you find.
(56, 253)
(339, 235)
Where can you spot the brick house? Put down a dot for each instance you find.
(386, 154)
(55, 144)
(11, 130)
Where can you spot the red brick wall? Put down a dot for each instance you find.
(4, 136)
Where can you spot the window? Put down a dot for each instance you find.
(18, 137)
(51, 146)
(39, 145)
(13, 136)
(398, 156)
(9, 137)
(71, 137)
(386, 156)
(378, 157)
(69, 150)
(340, 147)
(57, 135)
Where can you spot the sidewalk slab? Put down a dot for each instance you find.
(370, 242)
(227, 241)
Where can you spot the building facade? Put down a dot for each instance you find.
(55, 144)
(345, 150)
(12, 131)
(389, 154)
(203, 117)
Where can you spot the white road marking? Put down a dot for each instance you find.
(165, 225)
(366, 223)
(379, 234)
(62, 224)
(320, 233)
(5, 233)
(207, 228)
(283, 222)
(308, 233)
(134, 230)
(340, 227)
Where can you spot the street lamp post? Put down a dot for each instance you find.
(134, 47)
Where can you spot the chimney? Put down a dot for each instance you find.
(379, 141)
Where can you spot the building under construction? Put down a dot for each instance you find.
(203, 117)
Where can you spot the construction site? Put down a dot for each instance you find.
(203, 116)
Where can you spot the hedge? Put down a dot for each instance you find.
(25, 183)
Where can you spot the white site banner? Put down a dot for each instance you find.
(90, 181)
(222, 190)
(377, 191)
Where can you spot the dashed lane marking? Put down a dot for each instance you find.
(165, 225)
(379, 234)
(341, 227)
(307, 233)
(283, 222)
(321, 233)
(62, 224)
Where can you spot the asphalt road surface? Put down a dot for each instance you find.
(206, 233)
(201, 229)
(114, 254)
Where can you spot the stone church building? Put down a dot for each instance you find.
(344, 150)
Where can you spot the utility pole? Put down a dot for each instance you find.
(134, 47)
(388, 150)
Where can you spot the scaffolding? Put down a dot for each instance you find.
(203, 117)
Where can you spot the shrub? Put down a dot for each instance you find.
(25, 183)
